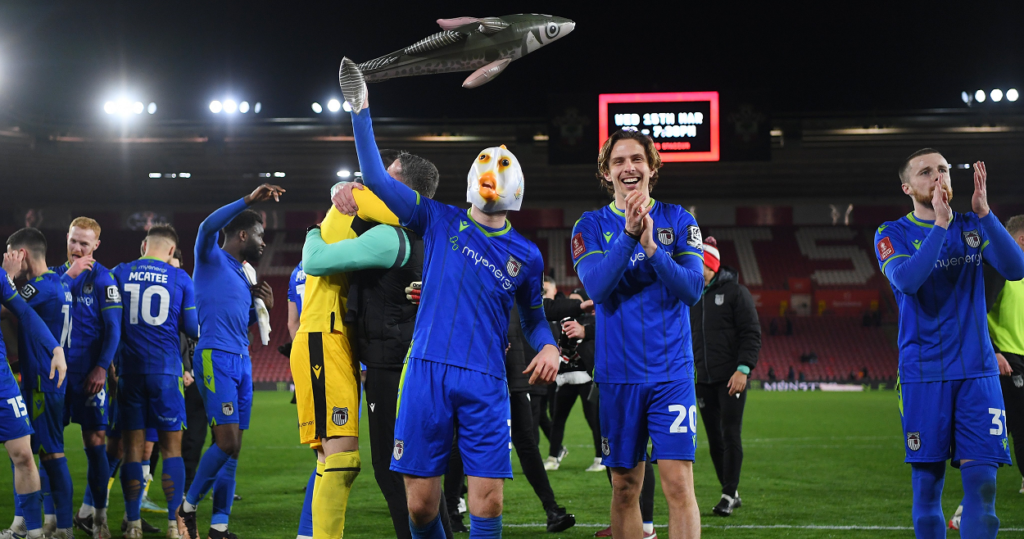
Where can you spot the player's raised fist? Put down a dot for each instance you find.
(265, 192)
(979, 202)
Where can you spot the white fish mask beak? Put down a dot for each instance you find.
(495, 181)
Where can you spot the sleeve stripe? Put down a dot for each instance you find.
(983, 245)
(698, 255)
(586, 255)
(537, 306)
(189, 308)
(891, 259)
(110, 307)
(12, 296)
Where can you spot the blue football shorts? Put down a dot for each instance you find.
(665, 412)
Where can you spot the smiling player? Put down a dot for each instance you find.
(642, 264)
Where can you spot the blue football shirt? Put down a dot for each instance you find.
(644, 328)
(943, 327)
(50, 297)
(221, 288)
(296, 286)
(94, 291)
(158, 300)
(33, 325)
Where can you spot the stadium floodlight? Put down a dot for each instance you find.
(151, 108)
(110, 107)
(344, 173)
(317, 108)
(216, 107)
(334, 105)
(230, 107)
(243, 107)
(1012, 95)
(346, 107)
(154, 175)
(979, 96)
(257, 108)
(279, 174)
(138, 107)
(997, 95)
(965, 97)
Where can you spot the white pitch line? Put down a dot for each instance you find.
(761, 527)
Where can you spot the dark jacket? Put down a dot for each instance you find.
(383, 317)
(516, 357)
(994, 283)
(725, 328)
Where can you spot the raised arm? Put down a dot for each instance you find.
(600, 271)
(206, 238)
(398, 197)
(908, 272)
(1000, 250)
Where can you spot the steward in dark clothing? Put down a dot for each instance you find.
(726, 341)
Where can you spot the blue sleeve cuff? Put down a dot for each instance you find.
(744, 369)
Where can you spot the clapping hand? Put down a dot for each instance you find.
(979, 202)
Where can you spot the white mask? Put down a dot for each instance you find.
(496, 181)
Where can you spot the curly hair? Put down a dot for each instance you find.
(605, 155)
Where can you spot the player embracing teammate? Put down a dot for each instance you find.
(950, 399)
(641, 262)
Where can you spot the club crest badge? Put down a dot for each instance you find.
(666, 236)
(87, 288)
(513, 266)
(972, 239)
(719, 299)
(914, 440)
(340, 416)
(399, 449)
(605, 449)
(228, 408)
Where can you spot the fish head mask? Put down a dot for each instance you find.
(553, 29)
(495, 181)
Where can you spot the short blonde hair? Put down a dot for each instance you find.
(86, 223)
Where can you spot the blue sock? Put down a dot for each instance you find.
(224, 492)
(979, 517)
(484, 528)
(44, 483)
(173, 481)
(32, 506)
(132, 483)
(61, 490)
(211, 463)
(87, 497)
(98, 476)
(433, 529)
(306, 519)
(928, 479)
(18, 511)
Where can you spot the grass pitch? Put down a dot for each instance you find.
(815, 464)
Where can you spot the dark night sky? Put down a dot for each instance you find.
(61, 60)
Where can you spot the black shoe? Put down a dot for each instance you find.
(214, 534)
(559, 520)
(457, 524)
(188, 520)
(84, 524)
(726, 505)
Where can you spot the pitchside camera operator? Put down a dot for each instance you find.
(726, 340)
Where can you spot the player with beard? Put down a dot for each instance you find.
(224, 298)
(950, 400)
(642, 264)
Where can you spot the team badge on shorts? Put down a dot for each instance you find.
(227, 407)
(87, 288)
(399, 449)
(666, 236)
(972, 239)
(914, 440)
(605, 449)
(513, 266)
(340, 416)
